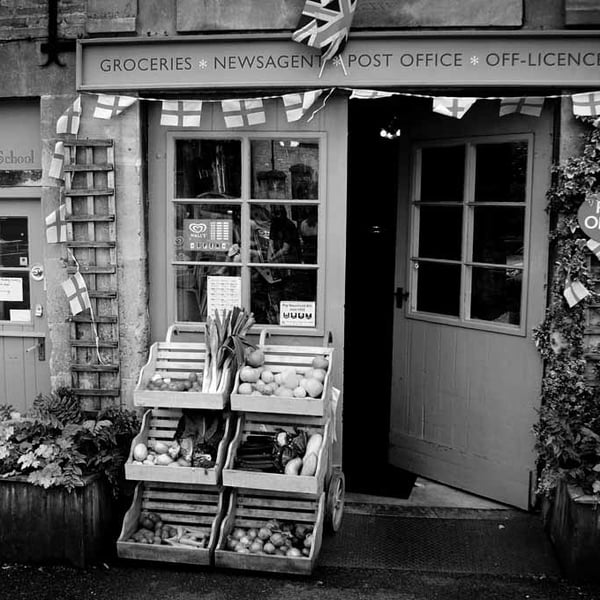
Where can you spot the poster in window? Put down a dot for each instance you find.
(11, 289)
(207, 234)
(296, 314)
(223, 293)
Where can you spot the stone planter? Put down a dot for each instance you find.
(574, 528)
(55, 526)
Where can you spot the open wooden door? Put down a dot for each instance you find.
(470, 277)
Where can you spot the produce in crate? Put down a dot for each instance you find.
(280, 452)
(276, 538)
(258, 379)
(163, 382)
(152, 530)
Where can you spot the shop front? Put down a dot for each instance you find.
(423, 258)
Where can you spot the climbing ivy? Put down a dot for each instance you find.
(568, 430)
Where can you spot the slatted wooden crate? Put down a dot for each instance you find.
(159, 424)
(176, 360)
(254, 509)
(200, 507)
(278, 482)
(278, 358)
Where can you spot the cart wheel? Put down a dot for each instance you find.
(335, 501)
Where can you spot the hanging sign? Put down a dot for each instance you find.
(588, 216)
(296, 314)
(11, 289)
(223, 293)
(207, 234)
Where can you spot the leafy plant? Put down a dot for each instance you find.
(568, 430)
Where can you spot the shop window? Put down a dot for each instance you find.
(248, 208)
(14, 267)
(469, 237)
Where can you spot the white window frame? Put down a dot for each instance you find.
(244, 202)
(466, 262)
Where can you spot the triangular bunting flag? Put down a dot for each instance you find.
(238, 113)
(574, 292)
(181, 113)
(77, 293)
(296, 105)
(68, 122)
(108, 106)
(452, 107)
(594, 248)
(369, 94)
(56, 225)
(586, 105)
(531, 106)
(58, 161)
(325, 24)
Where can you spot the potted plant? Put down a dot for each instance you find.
(568, 430)
(61, 480)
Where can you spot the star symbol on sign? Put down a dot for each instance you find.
(203, 63)
(474, 60)
(337, 61)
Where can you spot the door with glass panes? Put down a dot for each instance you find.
(254, 216)
(472, 255)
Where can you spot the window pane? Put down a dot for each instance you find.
(191, 289)
(283, 233)
(207, 232)
(440, 232)
(285, 169)
(268, 287)
(14, 242)
(498, 235)
(501, 172)
(442, 174)
(438, 288)
(207, 168)
(496, 295)
(14, 293)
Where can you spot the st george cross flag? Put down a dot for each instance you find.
(297, 105)
(586, 105)
(58, 161)
(369, 94)
(56, 225)
(108, 106)
(68, 122)
(325, 24)
(594, 248)
(452, 107)
(531, 106)
(77, 293)
(238, 113)
(181, 113)
(574, 292)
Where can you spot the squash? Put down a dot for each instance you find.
(293, 466)
(309, 465)
(313, 444)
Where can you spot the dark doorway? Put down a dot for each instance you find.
(370, 301)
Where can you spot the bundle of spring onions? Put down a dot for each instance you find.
(225, 347)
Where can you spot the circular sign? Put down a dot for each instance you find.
(37, 272)
(588, 216)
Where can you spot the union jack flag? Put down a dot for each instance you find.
(325, 25)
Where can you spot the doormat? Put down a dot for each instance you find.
(388, 481)
(515, 546)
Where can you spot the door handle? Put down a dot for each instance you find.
(401, 296)
(41, 348)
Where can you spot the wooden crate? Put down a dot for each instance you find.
(201, 507)
(278, 358)
(254, 509)
(176, 360)
(261, 423)
(159, 424)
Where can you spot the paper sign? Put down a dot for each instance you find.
(207, 234)
(296, 314)
(11, 289)
(19, 315)
(223, 293)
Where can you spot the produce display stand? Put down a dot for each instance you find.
(159, 424)
(201, 507)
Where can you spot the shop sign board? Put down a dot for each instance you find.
(588, 216)
(370, 60)
(296, 314)
(207, 234)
